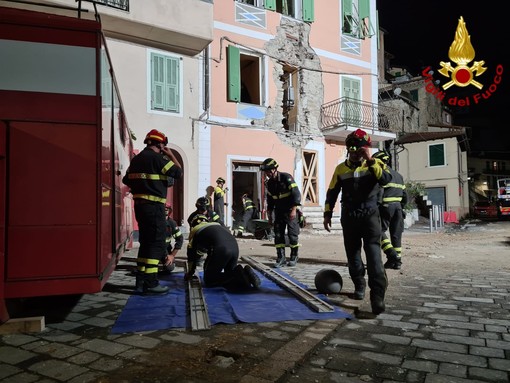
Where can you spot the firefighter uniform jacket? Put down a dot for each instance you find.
(150, 174)
(394, 191)
(359, 185)
(173, 231)
(282, 193)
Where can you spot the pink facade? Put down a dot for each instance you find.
(289, 68)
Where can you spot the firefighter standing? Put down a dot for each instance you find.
(219, 246)
(283, 197)
(359, 178)
(219, 199)
(148, 176)
(172, 232)
(391, 208)
(248, 211)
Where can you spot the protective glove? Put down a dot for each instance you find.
(404, 214)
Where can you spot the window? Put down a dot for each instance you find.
(436, 155)
(352, 109)
(299, 9)
(166, 75)
(244, 77)
(356, 18)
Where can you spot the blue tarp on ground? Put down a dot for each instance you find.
(270, 303)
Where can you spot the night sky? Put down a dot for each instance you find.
(419, 34)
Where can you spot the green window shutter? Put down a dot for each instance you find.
(158, 81)
(270, 4)
(234, 74)
(377, 28)
(436, 155)
(308, 10)
(364, 9)
(347, 19)
(172, 84)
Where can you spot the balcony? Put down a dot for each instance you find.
(345, 115)
(180, 26)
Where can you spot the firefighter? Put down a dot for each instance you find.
(219, 246)
(172, 232)
(391, 208)
(148, 176)
(204, 208)
(283, 197)
(359, 178)
(219, 199)
(248, 211)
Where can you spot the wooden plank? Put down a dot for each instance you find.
(23, 325)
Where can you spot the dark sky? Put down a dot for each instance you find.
(419, 34)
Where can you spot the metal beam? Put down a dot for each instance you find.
(312, 301)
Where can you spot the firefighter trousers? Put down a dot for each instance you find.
(363, 229)
(392, 219)
(152, 238)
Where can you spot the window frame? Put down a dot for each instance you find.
(429, 155)
(235, 76)
(178, 86)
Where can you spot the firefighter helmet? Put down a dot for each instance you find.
(220, 180)
(155, 136)
(383, 155)
(269, 164)
(202, 203)
(357, 139)
(328, 281)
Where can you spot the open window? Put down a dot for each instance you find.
(289, 106)
(298, 9)
(245, 78)
(356, 18)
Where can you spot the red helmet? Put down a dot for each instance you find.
(155, 135)
(357, 139)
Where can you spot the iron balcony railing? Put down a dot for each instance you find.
(345, 112)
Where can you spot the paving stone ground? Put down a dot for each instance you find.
(445, 321)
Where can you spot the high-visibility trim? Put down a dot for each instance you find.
(394, 185)
(294, 246)
(151, 270)
(146, 176)
(280, 245)
(167, 166)
(280, 196)
(392, 199)
(149, 197)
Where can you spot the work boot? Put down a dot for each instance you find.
(293, 257)
(377, 302)
(252, 276)
(157, 290)
(139, 284)
(280, 257)
(359, 290)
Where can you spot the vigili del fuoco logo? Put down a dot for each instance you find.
(462, 75)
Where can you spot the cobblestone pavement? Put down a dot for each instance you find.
(449, 326)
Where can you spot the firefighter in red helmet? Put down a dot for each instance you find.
(149, 175)
(360, 178)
